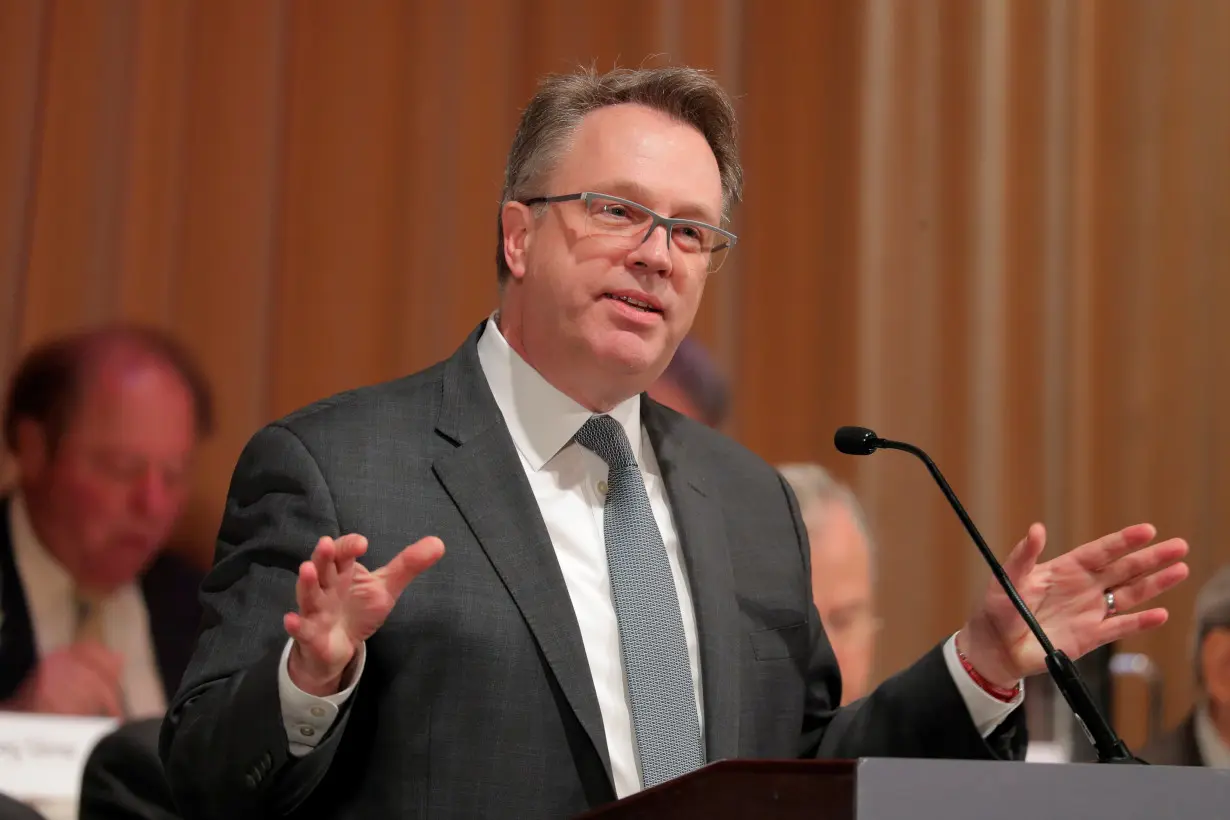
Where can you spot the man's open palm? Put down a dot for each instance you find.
(342, 603)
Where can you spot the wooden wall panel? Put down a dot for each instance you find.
(149, 214)
(337, 238)
(426, 275)
(227, 248)
(997, 230)
(24, 28)
(793, 263)
(483, 119)
(81, 177)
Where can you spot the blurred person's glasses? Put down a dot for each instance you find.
(627, 224)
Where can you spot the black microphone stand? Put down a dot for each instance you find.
(1109, 746)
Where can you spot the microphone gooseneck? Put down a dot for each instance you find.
(860, 441)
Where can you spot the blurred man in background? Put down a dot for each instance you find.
(102, 426)
(693, 384)
(1203, 738)
(842, 571)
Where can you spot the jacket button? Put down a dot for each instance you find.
(249, 781)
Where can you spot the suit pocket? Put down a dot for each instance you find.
(780, 642)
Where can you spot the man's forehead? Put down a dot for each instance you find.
(114, 375)
(831, 524)
(107, 390)
(643, 154)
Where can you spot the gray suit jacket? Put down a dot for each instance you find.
(1178, 747)
(476, 700)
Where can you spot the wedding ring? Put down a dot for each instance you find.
(1110, 603)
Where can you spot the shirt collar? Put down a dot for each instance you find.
(1214, 750)
(541, 419)
(35, 564)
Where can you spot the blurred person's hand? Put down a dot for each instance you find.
(80, 679)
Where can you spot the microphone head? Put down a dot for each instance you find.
(856, 441)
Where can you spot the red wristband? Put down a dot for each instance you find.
(1004, 695)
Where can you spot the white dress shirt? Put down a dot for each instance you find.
(1214, 750)
(51, 602)
(569, 483)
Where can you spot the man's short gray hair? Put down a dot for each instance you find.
(815, 486)
(1212, 612)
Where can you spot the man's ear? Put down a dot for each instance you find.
(33, 450)
(518, 225)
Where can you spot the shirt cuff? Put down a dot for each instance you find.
(986, 711)
(308, 718)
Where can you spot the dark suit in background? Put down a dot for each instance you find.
(169, 588)
(124, 779)
(1178, 747)
(477, 699)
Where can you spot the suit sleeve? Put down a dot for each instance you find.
(224, 741)
(919, 712)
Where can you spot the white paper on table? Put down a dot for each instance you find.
(42, 756)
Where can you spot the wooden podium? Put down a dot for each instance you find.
(897, 789)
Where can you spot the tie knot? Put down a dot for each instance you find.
(604, 436)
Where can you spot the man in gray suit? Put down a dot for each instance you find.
(625, 593)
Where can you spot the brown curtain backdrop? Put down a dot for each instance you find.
(997, 229)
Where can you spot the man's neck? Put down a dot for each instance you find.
(595, 400)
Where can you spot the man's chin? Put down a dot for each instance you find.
(125, 564)
(632, 355)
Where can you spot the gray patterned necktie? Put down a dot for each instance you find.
(655, 652)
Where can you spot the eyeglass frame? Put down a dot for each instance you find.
(667, 222)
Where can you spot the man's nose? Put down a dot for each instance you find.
(654, 252)
(153, 494)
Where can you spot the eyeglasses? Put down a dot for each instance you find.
(627, 224)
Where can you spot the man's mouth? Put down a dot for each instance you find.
(636, 303)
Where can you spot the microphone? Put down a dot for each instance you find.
(859, 441)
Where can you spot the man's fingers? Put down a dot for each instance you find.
(348, 548)
(1146, 588)
(324, 558)
(1118, 627)
(409, 563)
(1143, 562)
(292, 622)
(1097, 555)
(308, 593)
(98, 683)
(109, 700)
(98, 658)
(1024, 556)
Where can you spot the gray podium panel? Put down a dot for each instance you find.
(889, 789)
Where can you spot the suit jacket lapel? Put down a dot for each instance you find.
(18, 653)
(485, 478)
(698, 517)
